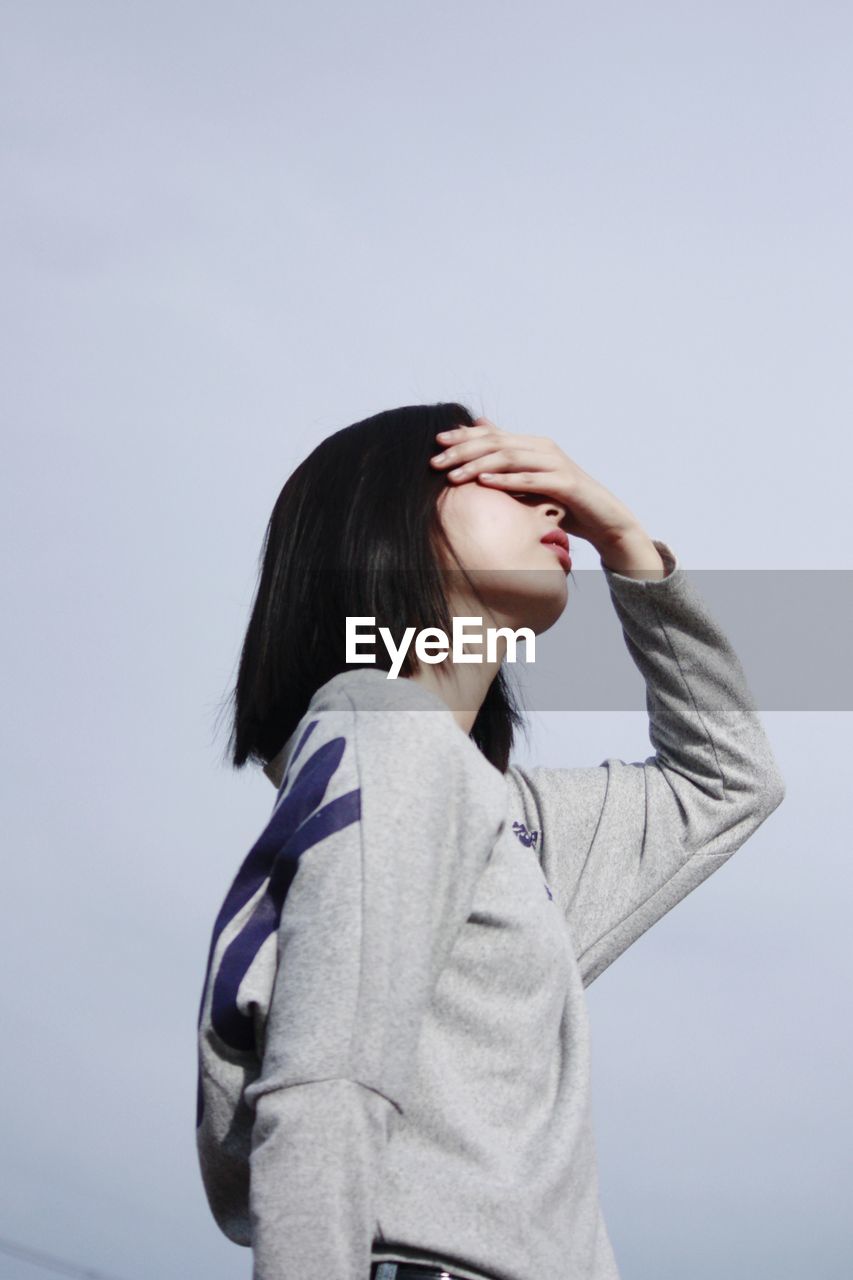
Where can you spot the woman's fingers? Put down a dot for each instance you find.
(464, 461)
(461, 436)
(505, 451)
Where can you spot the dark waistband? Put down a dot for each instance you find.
(410, 1271)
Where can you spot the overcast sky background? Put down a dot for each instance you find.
(230, 230)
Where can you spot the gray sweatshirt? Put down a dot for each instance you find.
(393, 1040)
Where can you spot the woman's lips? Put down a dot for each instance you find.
(565, 558)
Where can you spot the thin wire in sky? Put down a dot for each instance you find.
(51, 1263)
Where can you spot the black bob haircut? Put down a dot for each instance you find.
(354, 532)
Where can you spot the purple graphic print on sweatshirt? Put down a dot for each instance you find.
(299, 821)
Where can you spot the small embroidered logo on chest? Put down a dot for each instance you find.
(529, 839)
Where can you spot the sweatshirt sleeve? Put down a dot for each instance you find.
(371, 912)
(622, 843)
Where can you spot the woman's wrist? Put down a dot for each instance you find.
(632, 554)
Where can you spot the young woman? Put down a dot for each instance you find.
(393, 1039)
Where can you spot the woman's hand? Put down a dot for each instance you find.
(535, 464)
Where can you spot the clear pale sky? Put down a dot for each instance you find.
(230, 230)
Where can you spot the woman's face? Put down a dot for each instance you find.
(497, 536)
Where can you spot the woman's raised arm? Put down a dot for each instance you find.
(621, 843)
